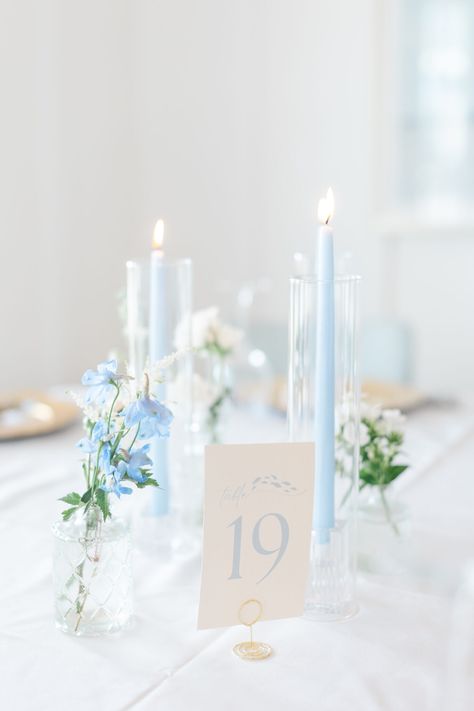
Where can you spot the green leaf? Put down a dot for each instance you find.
(69, 512)
(398, 469)
(149, 482)
(213, 347)
(87, 496)
(394, 471)
(368, 477)
(74, 499)
(103, 502)
(380, 472)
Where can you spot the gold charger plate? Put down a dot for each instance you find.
(388, 395)
(393, 396)
(32, 413)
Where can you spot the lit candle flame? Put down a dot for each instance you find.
(158, 234)
(326, 207)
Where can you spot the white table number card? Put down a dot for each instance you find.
(258, 505)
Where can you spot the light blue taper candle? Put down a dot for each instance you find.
(323, 512)
(157, 351)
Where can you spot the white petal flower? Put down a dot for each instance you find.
(369, 411)
(200, 329)
(392, 420)
(155, 370)
(90, 410)
(206, 330)
(227, 337)
(204, 323)
(349, 433)
(364, 435)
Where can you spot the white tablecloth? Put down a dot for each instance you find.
(392, 656)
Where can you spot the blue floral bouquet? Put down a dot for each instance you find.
(118, 417)
(92, 566)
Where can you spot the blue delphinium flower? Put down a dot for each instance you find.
(150, 427)
(91, 445)
(114, 457)
(132, 463)
(87, 446)
(100, 381)
(99, 431)
(114, 486)
(153, 416)
(105, 458)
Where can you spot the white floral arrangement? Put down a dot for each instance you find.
(381, 442)
(211, 337)
(209, 333)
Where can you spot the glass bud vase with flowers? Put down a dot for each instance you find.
(92, 561)
(214, 343)
(383, 520)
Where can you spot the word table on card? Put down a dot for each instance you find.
(258, 507)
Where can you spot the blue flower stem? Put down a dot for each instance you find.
(120, 435)
(135, 437)
(109, 422)
(113, 405)
(96, 469)
(95, 528)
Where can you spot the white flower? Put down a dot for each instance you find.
(155, 370)
(90, 410)
(369, 411)
(207, 330)
(201, 324)
(392, 421)
(204, 324)
(227, 337)
(364, 434)
(349, 433)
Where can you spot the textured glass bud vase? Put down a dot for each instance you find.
(331, 586)
(92, 574)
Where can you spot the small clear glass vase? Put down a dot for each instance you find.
(212, 391)
(383, 529)
(92, 574)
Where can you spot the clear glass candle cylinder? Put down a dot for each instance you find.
(170, 315)
(323, 361)
(92, 575)
(159, 309)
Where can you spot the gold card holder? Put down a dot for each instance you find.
(250, 612)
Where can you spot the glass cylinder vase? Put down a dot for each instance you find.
(323, 369)
(159, 309)
(92, 574)
(213, 385)
(383, 531)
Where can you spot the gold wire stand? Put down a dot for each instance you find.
(252, 650)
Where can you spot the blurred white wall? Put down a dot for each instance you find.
(229, 118)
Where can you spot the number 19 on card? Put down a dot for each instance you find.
(279, 551)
